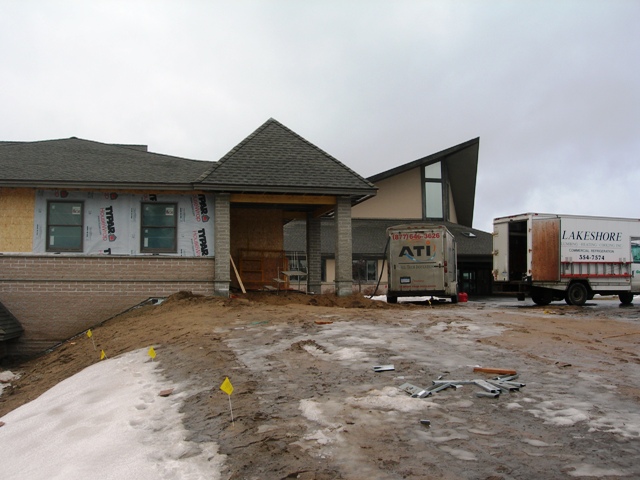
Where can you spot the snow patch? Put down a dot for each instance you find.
(106, 421)
(562, 412)
(311, 411)
(389, 399)
(586, 470)
(626, 424)
(536, 443)
(459, 453)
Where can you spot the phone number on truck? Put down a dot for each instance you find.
(414, 236)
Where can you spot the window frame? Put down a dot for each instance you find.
(143, 226)
(361, 265)
(49, 225)
(443, 193)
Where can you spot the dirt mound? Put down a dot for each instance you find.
(300, 298)
(279, 298)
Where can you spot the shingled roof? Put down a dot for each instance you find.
(370, 236)
(274, 159)
(74, 162)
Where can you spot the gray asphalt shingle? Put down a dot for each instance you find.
(276, 159)
(273, 159)
(86, 162)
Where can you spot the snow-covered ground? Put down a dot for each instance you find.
(105, 422)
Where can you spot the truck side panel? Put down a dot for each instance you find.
(545, 253)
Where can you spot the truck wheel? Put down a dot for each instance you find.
(541, 297)
(577, 294)
(392, 299)
(626, 298)
(454, 298)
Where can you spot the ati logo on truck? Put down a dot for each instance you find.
(200, 243)
(108, 224)
(199, 204)
(416, 253)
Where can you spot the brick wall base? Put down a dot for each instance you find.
(57, 297)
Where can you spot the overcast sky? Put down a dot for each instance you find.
(552, 88)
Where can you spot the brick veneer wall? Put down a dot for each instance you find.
(55, 297)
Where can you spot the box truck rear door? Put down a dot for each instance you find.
(545, 250)
(501, 251)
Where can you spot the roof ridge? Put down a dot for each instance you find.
(423, 160)
(331, 157)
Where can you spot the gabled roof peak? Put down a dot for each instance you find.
(273, 158)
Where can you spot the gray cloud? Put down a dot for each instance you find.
(551, 88)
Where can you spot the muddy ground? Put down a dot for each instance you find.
(308, 404)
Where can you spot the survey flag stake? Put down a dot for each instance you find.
(102, 355)
(152, 354)
(90, 335)
(227, 388)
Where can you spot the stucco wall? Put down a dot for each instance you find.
(399, 197)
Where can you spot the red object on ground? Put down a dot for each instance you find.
(463, 297)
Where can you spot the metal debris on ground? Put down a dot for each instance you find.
(383, 368)
(492, 388)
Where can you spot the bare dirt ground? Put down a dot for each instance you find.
(308, 404)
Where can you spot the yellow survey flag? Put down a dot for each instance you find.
(102, 355)
(226, 386)
(89, 334)
(152, 353)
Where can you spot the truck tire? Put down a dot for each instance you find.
(392, 299)
(454, 298)
(626, 298)
(577, 294)
(541, 297)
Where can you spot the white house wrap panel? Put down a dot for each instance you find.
(112, 221)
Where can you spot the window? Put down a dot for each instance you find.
(159, 228)
(433, 191)
(64, 226)
(365, 270)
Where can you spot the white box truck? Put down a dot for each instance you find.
(566, 257)
(421, 262)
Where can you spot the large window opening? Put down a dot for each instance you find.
(64, 226)
(159, 228)
(433, 204)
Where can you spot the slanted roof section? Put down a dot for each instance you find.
(73, 162)
(9, 325)
(462, 165)
(274, 159)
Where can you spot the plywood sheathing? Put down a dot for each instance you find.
(257, 244)
(17, 207)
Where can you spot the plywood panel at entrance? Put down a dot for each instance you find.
(256, 231)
